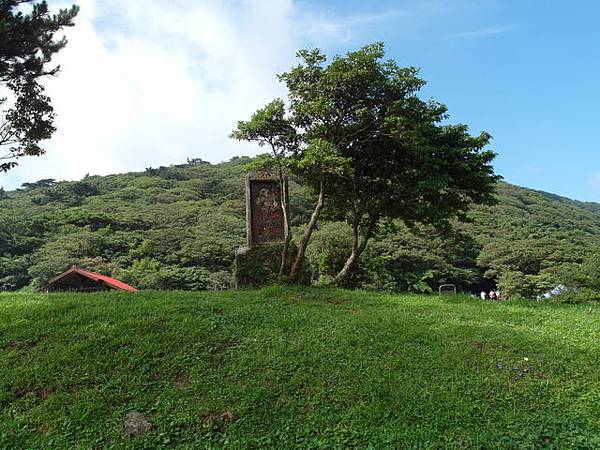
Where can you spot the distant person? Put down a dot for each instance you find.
(483, 295)
(492, 295)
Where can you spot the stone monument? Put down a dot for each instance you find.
(264, 213)
(259, 262)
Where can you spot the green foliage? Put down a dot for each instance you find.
(13, 272)
(328, 250)
(146, 273)
(418, 282)
(259, 266)
(190, 226)
(322, 158)
(27, 48)
(572, 297)
(73, 247)
(357, 133)
(387, 152)
(536, 239)
(514, 284)
(586, 274)
(297, 368)
(529, 242)
(399, 259)
(269, 126)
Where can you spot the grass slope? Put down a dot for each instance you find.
(298, 368)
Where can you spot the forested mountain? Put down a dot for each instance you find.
(178, 227)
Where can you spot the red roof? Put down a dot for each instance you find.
(96, 277)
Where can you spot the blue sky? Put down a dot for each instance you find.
(526, 71)
(148, 82)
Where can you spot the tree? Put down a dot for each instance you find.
(316, 112)
(369, 146)
(27, 45)
(299, 143)
(269, 126)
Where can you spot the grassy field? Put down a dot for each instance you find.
(296, 368)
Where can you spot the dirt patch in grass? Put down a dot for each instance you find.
(21, 344)
(217, 353)
(217, 420)
(182, 380)
(44, 393)
(336, 301)
(43, 428)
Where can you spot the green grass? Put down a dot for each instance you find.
(299, 368)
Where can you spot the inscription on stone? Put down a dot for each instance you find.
(263, 209)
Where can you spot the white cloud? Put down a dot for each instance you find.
(489, 31)
(146, 83)
(151, 82)
(405, 18)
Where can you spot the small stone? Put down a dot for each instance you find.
(136, 423)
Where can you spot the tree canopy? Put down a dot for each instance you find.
(27, 45)
(356, 131)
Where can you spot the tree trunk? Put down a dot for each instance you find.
(357, 249)
(348, 266)
(312, 223)
(287, 231)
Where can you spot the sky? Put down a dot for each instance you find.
(145, 83)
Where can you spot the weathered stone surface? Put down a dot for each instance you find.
(264, 213)
(259, 266)
(136, 423)
(258, 263)
(256, 266)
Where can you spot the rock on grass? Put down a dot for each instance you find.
(136, 423)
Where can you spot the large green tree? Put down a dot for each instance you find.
(367, 144)
(27, 45)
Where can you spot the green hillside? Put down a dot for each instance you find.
(296, 368)
(178, 227)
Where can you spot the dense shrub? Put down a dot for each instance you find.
(397, 260)
(584, 295)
